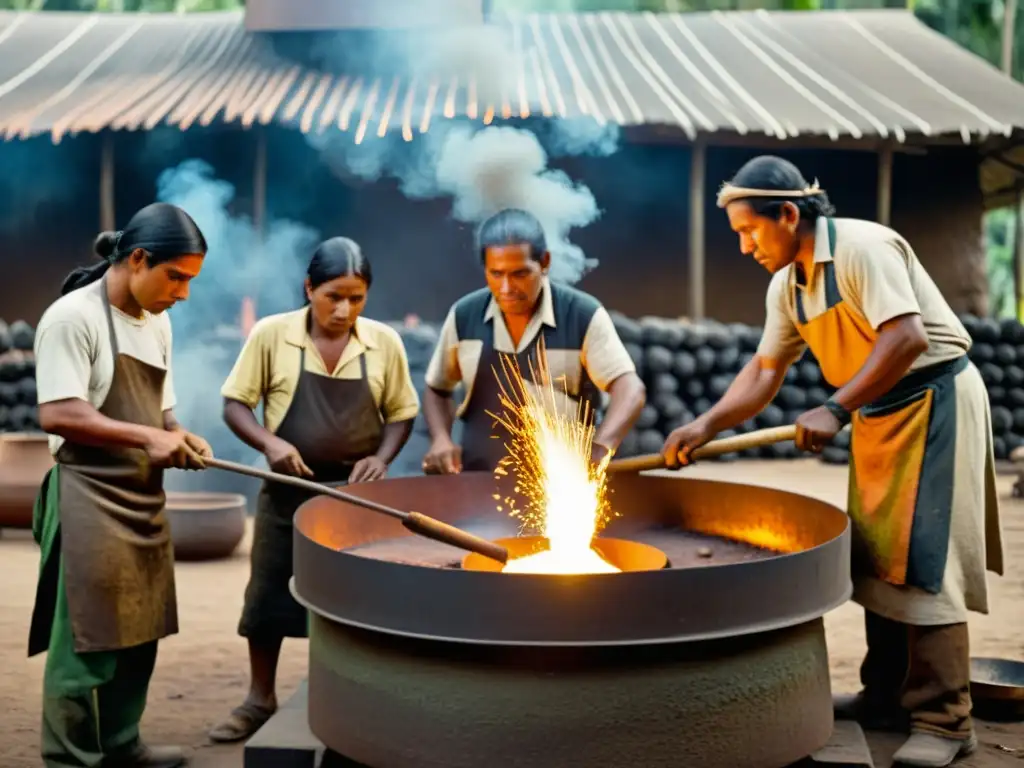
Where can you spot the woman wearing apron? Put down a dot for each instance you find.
(106, 582)
(922, 499)
(339, 404)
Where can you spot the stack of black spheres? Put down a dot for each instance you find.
(18, 411)
(688, 366)
(998, 352)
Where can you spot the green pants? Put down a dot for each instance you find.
(92, 702)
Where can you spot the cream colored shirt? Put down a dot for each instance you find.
(74, 359)
(602, 354)
(879, 276)
(267, 368)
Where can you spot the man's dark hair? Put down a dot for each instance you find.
(771, 172)
(512, 226)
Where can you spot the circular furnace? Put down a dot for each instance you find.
(717, 660)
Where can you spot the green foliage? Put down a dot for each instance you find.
(999, 251)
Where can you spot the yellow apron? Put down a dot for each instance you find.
(902, 447)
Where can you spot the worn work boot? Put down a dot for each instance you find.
(142, 756)
(872, 716)
(926, 750)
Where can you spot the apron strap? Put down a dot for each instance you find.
(110, 317)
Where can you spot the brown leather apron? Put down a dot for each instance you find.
(902, 447)
(333, 423)
(115, 541)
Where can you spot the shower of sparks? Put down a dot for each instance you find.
(549, 456)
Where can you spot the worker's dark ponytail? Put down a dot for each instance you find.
(163, 231)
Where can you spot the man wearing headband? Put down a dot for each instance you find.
(922, 499)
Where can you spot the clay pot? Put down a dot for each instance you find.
(24, 461)
(205, 526)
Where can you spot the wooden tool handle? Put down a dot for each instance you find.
(733, 444)
(414, 521)
(448, 534)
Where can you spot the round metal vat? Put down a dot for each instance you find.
(713, 664)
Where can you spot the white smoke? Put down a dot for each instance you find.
(482, 169)
(240, 262)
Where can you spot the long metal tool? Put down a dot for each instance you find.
(734, 444)
(414, 521)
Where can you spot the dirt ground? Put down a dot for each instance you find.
(202, 672)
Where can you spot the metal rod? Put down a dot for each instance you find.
(414, 521)
(698, 166)
(734, 444)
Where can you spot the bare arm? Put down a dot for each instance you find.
(242, 421)
(79, 422)
(754, 387)
(628, 396)
(900, 342)
(396, 435)
(439, 413)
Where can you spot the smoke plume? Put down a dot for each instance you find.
(482, 169)
(240, 262)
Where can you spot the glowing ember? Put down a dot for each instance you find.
(550, 458)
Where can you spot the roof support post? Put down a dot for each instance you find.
(883, 195)
(259, 183)
(259, 217)
(698, 168)
(108, 218)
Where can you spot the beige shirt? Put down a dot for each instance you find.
(602, 354)
(267, 368)
(74, 359)
(879, 276)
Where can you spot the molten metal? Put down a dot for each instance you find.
(549, 457)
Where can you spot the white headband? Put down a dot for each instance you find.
(728, 193)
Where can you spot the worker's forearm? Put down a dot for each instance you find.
(750, 392)
(627, 397)
(896, 349)
(171, 423)
(242, 421)
(395, 437)
(79, 422)
(437, 410)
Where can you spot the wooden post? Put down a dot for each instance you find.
(249, 309)
(1009, 26)
(698, 167)
(883, 195)
(259, 184)
(108, 218)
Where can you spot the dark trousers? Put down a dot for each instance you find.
(925, 671)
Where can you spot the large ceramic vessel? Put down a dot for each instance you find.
(205, 526)
(24, 461)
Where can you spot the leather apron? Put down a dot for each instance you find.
(902, 447)
(115, 541)
(485, 441)
(333, 423)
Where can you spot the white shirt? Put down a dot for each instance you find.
(73, 355)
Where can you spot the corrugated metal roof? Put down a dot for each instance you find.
(838, 74)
